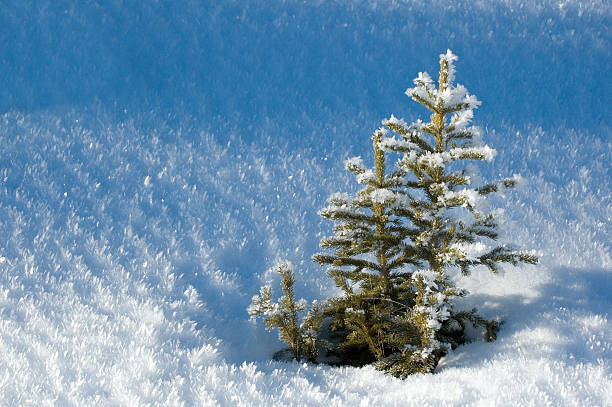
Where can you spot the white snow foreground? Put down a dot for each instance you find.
(63, 348)
(111, 293)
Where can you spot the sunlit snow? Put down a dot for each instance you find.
(157, 158)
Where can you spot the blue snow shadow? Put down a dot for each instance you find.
(550, 326)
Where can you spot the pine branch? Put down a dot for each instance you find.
(504, 254)
(459, 135)
(454, 179)
(455, 108)
(500, 185)
(345, 261)
(424, 102)
(480, 231)
(346, 215)
(416, 139)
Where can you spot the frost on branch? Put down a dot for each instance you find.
(301, 337)
(448, 97)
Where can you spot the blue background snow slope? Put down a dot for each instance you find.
(241, 63)
(158, 157)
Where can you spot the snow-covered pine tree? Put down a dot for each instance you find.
(396, 241)
(453, 228)
(369, 257)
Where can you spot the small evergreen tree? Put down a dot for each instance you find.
(439, 188)
(301, 338)
(396, 240)
(369, 257)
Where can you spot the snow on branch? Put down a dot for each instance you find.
(450, 59)
(423, 95)
(439, 160)
(394, 121)
(355, 165)
(397, 145)
(461, 120)
(457, 98)
(469, 251)
(466, 197)
(366, 177)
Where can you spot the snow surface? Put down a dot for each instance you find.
(158, 158)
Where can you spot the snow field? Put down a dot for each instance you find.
(156, 160)
(114, 289)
